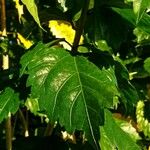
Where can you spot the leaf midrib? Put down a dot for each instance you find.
(86, 109)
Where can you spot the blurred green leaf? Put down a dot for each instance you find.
(147, 64)
(9, 103)
(142, 38)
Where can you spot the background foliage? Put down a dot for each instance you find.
(93, 97)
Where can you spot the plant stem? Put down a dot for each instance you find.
(4, 33)
(8, 133)
(49, 129)
(5, 67)
(3, 18)
(24, 123)
(80, 27)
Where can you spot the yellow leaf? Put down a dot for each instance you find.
(19, 8)
(27, 43)
(63, 29)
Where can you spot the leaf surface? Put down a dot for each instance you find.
(128, 92)
(70, 89)
(106, 25)
(115, 136)
(9, 103)
(139, 7)
(32, 8)
(147, 64)
(128, 14)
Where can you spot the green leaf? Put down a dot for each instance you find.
(139, 7)
(115, 136)
(32, 105)
(9, 103)
(32, 8)
(142, 38)
(127, 127)
(70, 89)
(103, 27)
(147, 64)
(129, 94)
(128, 14)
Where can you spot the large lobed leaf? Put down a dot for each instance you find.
(9, 103)
(69, 88)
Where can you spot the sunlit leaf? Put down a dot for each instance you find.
(63, 29)
(62, 2)
(32, 8)
(114, 136)
(32, 105)
(19, 8)
(139, 7)
(27, 43)
(65, 88)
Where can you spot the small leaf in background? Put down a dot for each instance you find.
(62, 2)
(9, 103)
(65, 88)
(102, 45)
(142, 38)
(19, 9)
(114, 136)
(26, 43)
(32, 105)
(147, 64)
(63, 29)
(32, 8)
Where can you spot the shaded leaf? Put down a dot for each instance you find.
(106, 25)
(128, 14)
(9, 103)
(129, 94)
(115, 136)
(69, 88)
